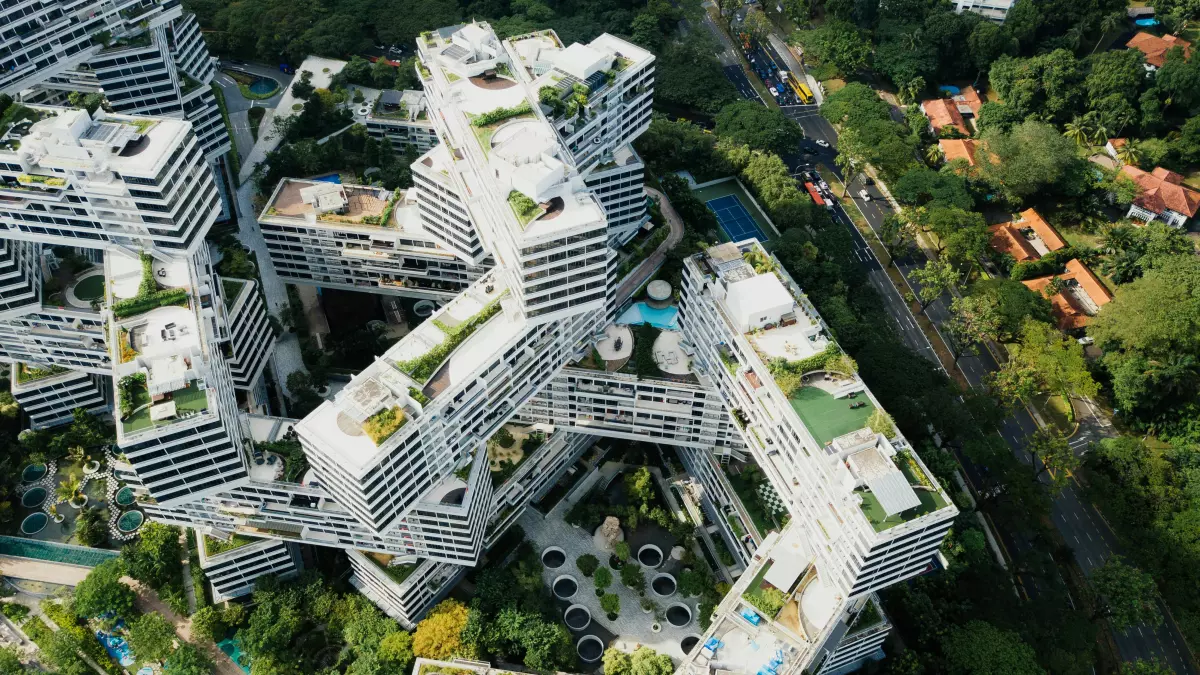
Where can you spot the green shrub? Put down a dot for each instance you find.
(524, 208)
(145, 303)
(418, 396)
(501, 114)
(380, 426)
(504, 438)
(587, 563)
(767, 600)
(421, 368)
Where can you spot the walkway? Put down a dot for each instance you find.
(44, 571)
(148, 602)
(650, 265)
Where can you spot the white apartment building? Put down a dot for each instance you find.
(50, 396)
(359, 238)
(993, 10)
(866, 513)
(232, 566)
(251, 340)
(402, 119)
(20, 276)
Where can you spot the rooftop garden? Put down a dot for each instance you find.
(142, 126)
(230, 288)
(931, 499)
(524, 208)
(384, 219)
(149, 296)
(380, 426)
(766, 598)
(28, 373)
(140, 40)
(214, 546)
(422, 367)
(135, 403)
(398, 573)
(565, 105)
(483, 126)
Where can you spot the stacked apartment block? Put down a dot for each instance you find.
(511, 227)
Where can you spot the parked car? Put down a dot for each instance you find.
(864, 195)
(867, 180)
(808, 151)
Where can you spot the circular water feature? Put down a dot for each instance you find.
(554, 557)
(577, 617)
(565, 587)
(130, 521)
(589, 648)
(34, 497)
(263, 86)
(650, 556)
(663, 585)
(125, 496)
(689, 643)
(34, 523)
(679, 615)
(33, 472)
(423, 308)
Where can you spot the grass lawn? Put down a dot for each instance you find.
(827, 417)
(1054, 410)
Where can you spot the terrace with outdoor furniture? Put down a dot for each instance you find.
(334, 204)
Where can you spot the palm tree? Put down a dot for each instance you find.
(1123, 267)
(1129, 153)
(1100, 134)
(1077, 130)
(1118, 238)
(67, 489)
(933, 154)
(1177, 375)
(1108, 24)
(1073, 37)
(846, 164)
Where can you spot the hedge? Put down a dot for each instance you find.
(421, 368)
(501, 114)
(145, 303)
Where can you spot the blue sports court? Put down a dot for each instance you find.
(735, 219)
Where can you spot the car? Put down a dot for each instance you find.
(864, 195)
(823, 144)
(1086, 340)
(824, 185)
(867, 180)
(808, 151)
(396, 50)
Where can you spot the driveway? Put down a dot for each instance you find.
(650, 265)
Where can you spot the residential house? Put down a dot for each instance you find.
(959, 148)
(953, 111)
(1080, 297)
(994, 10)
(1163, 196)
(1028, 238)
(1155, 48)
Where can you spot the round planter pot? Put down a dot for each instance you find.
(599, 593)
(553, 557)
(59, 518)
(655, 627)
(91, 468)
(613, 617)
(78, 502)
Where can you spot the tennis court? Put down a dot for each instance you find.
(736, 212)
(735, 219)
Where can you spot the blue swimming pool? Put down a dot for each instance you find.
(329, 178)
(949, 89)
(640, 313)
(1146, 23)
(234, 651)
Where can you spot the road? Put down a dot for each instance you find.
(238, 105)
(1076, 519)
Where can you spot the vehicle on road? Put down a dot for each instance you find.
(867, 180)
(808, 151)
(822, 143)
(864, 195)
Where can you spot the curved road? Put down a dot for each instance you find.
(650, 265)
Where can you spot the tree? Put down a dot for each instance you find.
(633, 577)
(1014, 303)
(303, 87)
(975, 319)
(935, 278)
(1146, 667)
(10, 662)
(1054, 361)
(587, 563)
(102, 592)
(610, 603)
(621, 550)
(91, 527)
(979, 648)
(646, 661)
(155, 557)
(151, 637)
(761, 128)
(1077, 130)
(1128, 595)
(1049, 84)
(617, 662)
(1049, 453)
(1033, 158)
(603, 578)
(69, 488)
(438, 635)
(757, 24)
(397, 650)
(189, 660)
(693, 582)
(208, 623)
(62, 652)
(837, 43)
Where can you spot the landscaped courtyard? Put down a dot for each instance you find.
(615, 574)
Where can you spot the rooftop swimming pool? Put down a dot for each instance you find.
(640, 313)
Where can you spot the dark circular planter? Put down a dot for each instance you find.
(663, 585)
(599, 592)
(650, 556)
(565, 587)
(554, 557)
(689, 643)
(590, 648)
(34, 497)
(613, 617)
(615, 562)
(679, 615)
(577, 617)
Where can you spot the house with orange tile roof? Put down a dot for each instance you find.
(1163, 196)
(1155, 48)
(1029, 237)
(943, 112)
(959, 148)
(1081, 296)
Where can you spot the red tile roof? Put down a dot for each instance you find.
(958, 148)
(1162, 190)
(1065, 307)
(970, 98)
(1155, 48)
(943, 112)
(1007, 237)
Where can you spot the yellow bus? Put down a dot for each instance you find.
(802, 90)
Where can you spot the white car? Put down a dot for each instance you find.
(864, 195)
(823, 144)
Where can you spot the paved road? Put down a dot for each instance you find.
(650, 265)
